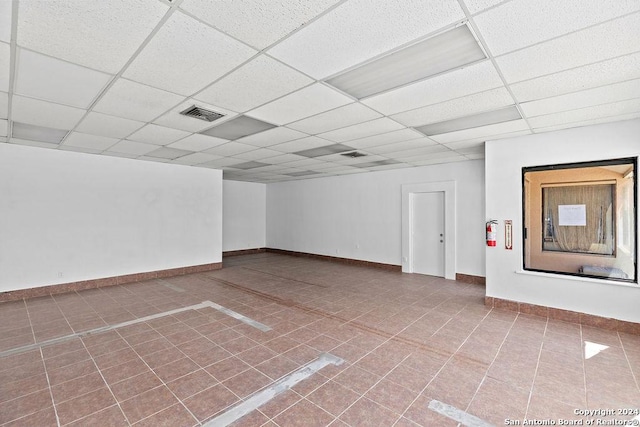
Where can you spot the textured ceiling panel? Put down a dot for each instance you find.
(605, 41)
(589, 76)
(340, 117)
(484, 131)
(588, 122)
(362, 130)
(476, 6)
(261, 80)
(467, 81)
(257, 22)
(306, 102)
(4, 105)
(385, 138)
(519, 23)
(301, 144)
(93, 142)
(5, 54)
(260, 153)
(50, 79)
(588, 113)
(132, 147)
(198, 142)
(42, 113)
(391, 149)
(106, 125)
(158, 135)
(187, 55)
(230, 149)
(168, 153)
(467, 105)
(585, 98)
(272, 137)
(5, 21)
(99, 34)
(136, 101)
(358, 30)
(195, 159)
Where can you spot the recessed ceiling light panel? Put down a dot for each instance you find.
(324, 151)
(477, 120)
(447, 51)
(38, 133)
(238, 127)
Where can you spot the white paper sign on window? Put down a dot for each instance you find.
(572, 215)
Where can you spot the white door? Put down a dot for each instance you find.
(428, 233)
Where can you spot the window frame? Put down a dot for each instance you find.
(576, 165)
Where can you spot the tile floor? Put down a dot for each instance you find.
(406, 340)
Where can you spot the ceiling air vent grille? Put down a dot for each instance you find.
(201, 113)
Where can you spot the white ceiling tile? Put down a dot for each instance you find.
(259, 154)
(493, 137)
(585, 98)
(4, 105)
(43, 113)
(577, 79)
(362, 130)
(106, 125)
(132, 147)
(4, 127)
(604, 41)
(588, 113)
(195, 159)
(454, 108)
(304, 163)
(358, 30)
(98, 34)
(198, 142)
(261, 80)
(168, 153)
(187, 55)
(5, 21)
(474, 156)
(286, 158)
(386, 138)
(5, 61)
(272, 137)
(301, 144)
(464, 145)
(466, 81)
(42, 77)
(93, 142)
(230, 149)
(306, 102)
(136, 101)
(79, 149)
(122, 155)
(476, 6)
(154, 159)
(257, 22)
(222, 163)
(402, 146)
(437, 161)
(430, 150)
(348, 115)
(158, 135)
(630, 116)
(176, 120)
(486, 132)
(521, 23)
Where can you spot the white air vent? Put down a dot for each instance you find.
(201, 113)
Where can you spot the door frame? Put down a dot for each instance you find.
(449, 189)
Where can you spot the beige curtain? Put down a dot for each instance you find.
(597, 235)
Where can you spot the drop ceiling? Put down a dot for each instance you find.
(111, 77)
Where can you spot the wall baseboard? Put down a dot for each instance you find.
(473, 280)
(565, 315)
(244, 252)
(349, 261)
(106, 281)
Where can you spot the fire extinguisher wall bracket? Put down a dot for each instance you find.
(492, 229)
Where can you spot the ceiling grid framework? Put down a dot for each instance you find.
(111, 78)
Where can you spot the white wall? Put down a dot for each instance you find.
(504, 162)
(68, 216)
(359, 216)
(244, 215)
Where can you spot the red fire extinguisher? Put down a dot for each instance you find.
(492, 228)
